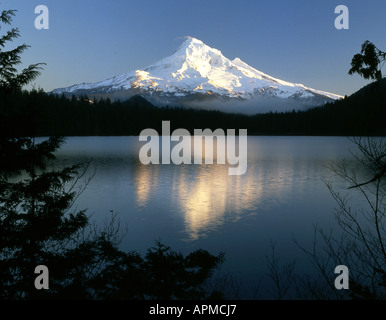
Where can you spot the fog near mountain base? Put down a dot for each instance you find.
(247, 107)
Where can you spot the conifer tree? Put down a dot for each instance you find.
(369, 62)
(39, 225)
(10, 78)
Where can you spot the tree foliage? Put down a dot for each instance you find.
(369, 62)
(10, 77)
(39, 224)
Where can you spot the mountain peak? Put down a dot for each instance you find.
(193, 46)
(198, 71)
(192, 41)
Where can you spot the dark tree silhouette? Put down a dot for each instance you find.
(361, 246)
(369, 62)
(10, 78)
(362, 243)
(35, 225)
(39, 225)
(371, 57)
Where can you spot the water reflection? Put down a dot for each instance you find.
(206, 196)
(201, 206)
(146, 182)
(203, 199)
(192, 201)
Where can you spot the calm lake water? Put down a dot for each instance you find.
(201, 206)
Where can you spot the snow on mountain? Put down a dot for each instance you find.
(198, 75)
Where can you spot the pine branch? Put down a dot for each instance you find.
(28, 74)
(11, 34)
(6, 16)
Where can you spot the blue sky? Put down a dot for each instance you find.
(296, 41)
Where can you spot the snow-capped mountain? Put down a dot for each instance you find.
(198, 75)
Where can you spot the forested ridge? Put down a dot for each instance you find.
(363, 113)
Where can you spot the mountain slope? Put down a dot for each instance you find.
(198, 75)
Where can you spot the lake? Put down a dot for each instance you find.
(282, 194)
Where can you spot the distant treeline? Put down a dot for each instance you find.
(35, 113)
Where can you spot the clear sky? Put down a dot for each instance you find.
(296, 41)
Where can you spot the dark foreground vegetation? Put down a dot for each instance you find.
(39, 224)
